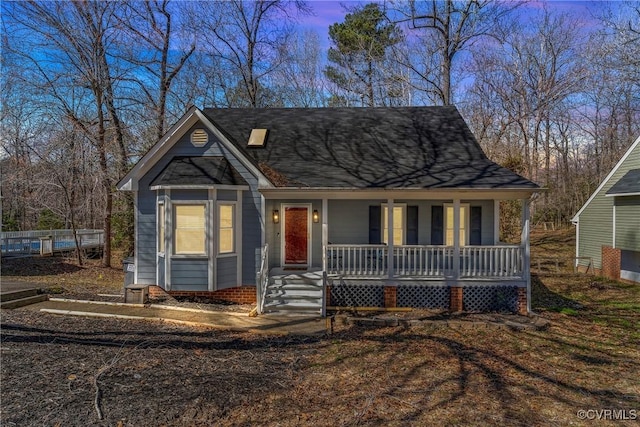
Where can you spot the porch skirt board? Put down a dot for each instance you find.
(482, 298)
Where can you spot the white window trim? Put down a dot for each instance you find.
(403, 206)
(207, 226)
(467, 221)
(160, 207)
(235, 228)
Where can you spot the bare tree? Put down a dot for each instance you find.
(77, 38)
(248, 40)
(448, 28)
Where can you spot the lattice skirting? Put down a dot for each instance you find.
(423, 296)
(356, 295)
(490, 298)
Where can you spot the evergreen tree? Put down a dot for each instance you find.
(361, 67)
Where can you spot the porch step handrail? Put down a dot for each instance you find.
(262, 280)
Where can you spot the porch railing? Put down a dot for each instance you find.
(491, 261)
(503, 261)
(357, 260)
(423, 260)
(262, 279)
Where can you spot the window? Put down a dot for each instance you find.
(189, 229)
(398, 224)
(226, 240)
(464, 225)
(161, 227)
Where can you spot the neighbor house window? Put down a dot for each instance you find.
(226, 228)
(399, 226)
(189, 229)
(464, 225)
(161, 227)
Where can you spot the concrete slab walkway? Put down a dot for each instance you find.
(202, 318)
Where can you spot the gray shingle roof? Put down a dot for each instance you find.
(628, 184)
(199, 171)
(406, 147)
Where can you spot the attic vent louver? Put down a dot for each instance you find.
(257, 138)
(199, 138)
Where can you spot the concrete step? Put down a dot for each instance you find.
(14, 295)
(298, 309)
(21, 302)
(277, 281)
(293, 293)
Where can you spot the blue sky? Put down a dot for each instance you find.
(328, 12)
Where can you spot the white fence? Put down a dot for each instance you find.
(46, 242)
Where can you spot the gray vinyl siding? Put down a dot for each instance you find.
(349, 219)
(227, 272)
(628, 222)
(146, 232)
(273, 232)
(146, 235)
(189, 274)
(630, 265)
(596, 220)
(227, 195)
(251, 235)
(349, 224)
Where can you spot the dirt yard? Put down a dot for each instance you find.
(64, 371)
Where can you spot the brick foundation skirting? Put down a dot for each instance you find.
(522, 301)
(456, 299)
(390, 297)
(238, 295)
(611, 258)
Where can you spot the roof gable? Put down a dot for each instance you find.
(628, 185)
(200, 170)
(604, 182)
(366, 148)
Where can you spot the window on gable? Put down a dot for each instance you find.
(226, 228)
(189, 229)
(399, 224)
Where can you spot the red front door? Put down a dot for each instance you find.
(296, 235)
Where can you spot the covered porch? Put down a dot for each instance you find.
(400, 246)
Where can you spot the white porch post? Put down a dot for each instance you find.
(526, 268)
(390, 238)
(456, 239)
(325, 232)
(496, 221)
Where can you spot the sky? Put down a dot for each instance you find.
(328, 12)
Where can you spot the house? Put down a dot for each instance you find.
(608, 225)
(300, 209)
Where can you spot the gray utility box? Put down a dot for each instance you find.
(136, 294)
(129, 269)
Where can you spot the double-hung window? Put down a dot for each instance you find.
(399, 224)
(189, 227)
(161, 228)
(226, 228)
(464, 224)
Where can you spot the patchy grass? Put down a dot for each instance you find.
(588, 359)
(62, 275)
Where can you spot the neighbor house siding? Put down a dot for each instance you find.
(596, 220)
(628, 222)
